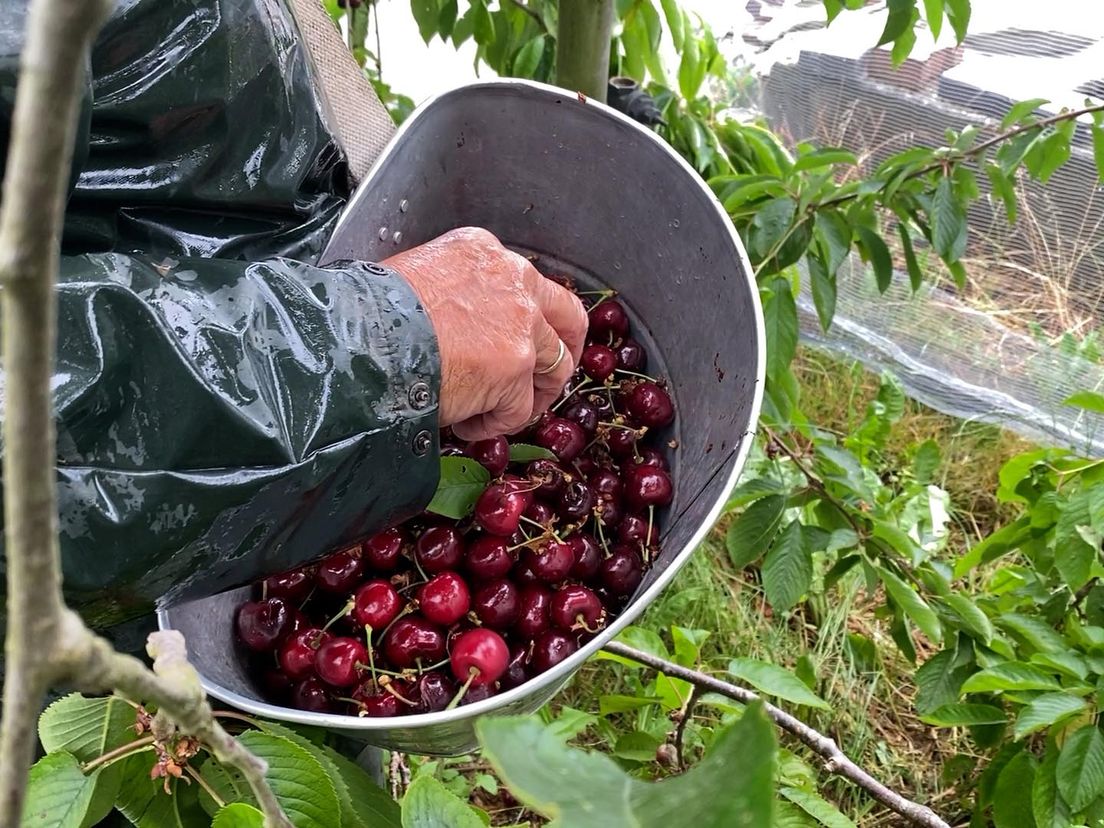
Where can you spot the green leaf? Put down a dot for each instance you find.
(1047, 805)
(523, 453)
(58, 794)
(933, 13)
(426, 15)
(788, 569)
(1080, 771)
(636, 746)
(898, 20)
(965, 715)
(1098, 150)
(1021, 110)
(1073, 555)
(948, 223)
(429, 804)
(1010, 675)
(834, 235)
(909, 600)
(1035, 632)
(145, 804)
(775, 681)
(1012, 797)
(1089, 400)
(750, 534)
(916, 275)
(673, 14)
(298, 779)
(462, 482)
(878, 255)
(974, 620)
(226, 782)
(446, 20)
(529, 57)
(1002, 187)
(770, 224)
(926, 461)
(938, 681)
(823, 288)
(824, 158)
(691, 69)
(958, 13)
(1043, 711)
(577, 789)
(238, 815)
(780, 320)
(484, 29)
(902, 47)
(820, 809)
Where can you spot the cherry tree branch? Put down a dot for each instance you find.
(47, 643)
(835, 760)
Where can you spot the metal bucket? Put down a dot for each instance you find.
(602, 198)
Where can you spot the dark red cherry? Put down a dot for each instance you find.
(383, 552)
(499, 509)
(622, 571)
(340, 571)
(310, 694)
(650, 405)
(608, 318)
(563, 438)
(379, 702)
(631, 355)
(478, 693)
(517, 670)
(523, 574)
(598, 361)
(444, 599)
(488, 557)
(532, 611)
(575, 608)
(551, 560)
(634, 531)
(588, 555)
(646, 486)
(549, 649)
(411, 640)
(608, 510)
(432, 692)
(262, 625)
(376, 604)
(296, 655)
(338, 661)
(540, 512)
(439, 548)
(577, 501)
(602, 404)
(584, 414)
(547, 476)
(493, 453)
(496, 604)
(479, 655)
(605, 482)
(653, 457)
(292, 586)
(621, 441)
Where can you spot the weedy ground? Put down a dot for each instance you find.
(872, 717)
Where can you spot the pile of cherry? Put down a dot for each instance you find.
(437, 612)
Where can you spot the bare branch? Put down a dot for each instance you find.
(836, 760)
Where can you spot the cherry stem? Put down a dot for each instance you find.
(374, 670)
(344, 611)
(397, 694)
(404, 611)
(371, 655)
(203, 783)
(459, 697)
(264, 589)
(546, 531)
(636, 374)
(601, 535)
(567, 394)
(120, 752)
(422, 669)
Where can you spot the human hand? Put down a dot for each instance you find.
(499, 325)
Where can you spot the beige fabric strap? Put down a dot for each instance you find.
(359, 120)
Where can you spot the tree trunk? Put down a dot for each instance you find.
(583, 46)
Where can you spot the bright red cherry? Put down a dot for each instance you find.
(262, 625)
(296, 655)
(376, 604)
(382, 552)
(493, 454)
(444, 599)
(439, 548)
(479, 656)
(338, 661)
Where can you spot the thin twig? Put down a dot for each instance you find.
(119, 752)
(531, 12)
(203, 783)
(400, 775)
(680, 731)
(835, 760)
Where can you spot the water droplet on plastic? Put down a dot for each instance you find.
(675, 223)
(617, 265)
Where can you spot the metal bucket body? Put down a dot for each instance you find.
(598, 196)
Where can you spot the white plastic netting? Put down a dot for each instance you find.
(1025, 334)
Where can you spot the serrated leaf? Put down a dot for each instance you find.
(788, 569)
(965, 715)
(429, 804)
(933, 13)
(462, 482)
(145, 804)
(938, 681)
(298, 780)
(817, 807)
(916, 275)
(834, 236)
(227, 782)
(1010, 675)
(973, 618)
(1089, 400)
(780, 320)
(577, 789)
(1012, 797)
(878, 255)
(1043, 711)
(238, 815)
(1018, 111)
(1047, 805)
(1080, 771)
(824, 158)
(898, 20)
(772, 680)
(823, 288)
(909, 600)
(1034, 631)
(750, 534)
(1002, 187)
(948, 222)
(58, 795)
(1073, 555)
(523, 453)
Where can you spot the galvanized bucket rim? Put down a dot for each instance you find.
(565, 669)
